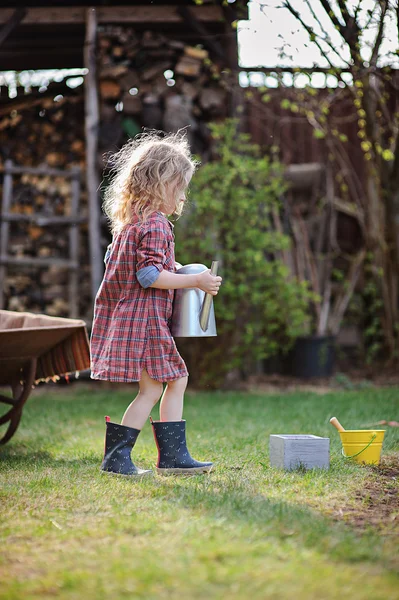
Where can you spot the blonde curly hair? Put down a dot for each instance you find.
(145, 173)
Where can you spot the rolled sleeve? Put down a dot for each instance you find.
(147, 276)
(107, 253)
(151, 253)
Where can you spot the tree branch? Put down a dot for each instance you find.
(312, 35)
(325, 39)
(367, 25)
(397, 18)
(344, 11)
(380, 34)
(350, 30)
(357, 9)
(327, 7)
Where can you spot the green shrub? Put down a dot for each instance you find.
(260, 309)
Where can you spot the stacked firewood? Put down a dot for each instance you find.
(45, 130)
(157, 83)
(145, 81)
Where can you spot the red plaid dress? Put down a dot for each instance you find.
(130, 327)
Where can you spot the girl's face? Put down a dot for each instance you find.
(170, 205)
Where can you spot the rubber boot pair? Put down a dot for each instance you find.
(170, 438)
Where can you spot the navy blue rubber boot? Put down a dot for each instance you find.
(173, 456)
(119, 442)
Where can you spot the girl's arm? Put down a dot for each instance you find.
(150, 272)
(206, 282)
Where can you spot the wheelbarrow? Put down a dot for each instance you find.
(36, 348)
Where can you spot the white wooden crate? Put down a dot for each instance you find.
(293, 451)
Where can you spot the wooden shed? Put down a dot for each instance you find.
(151, 64)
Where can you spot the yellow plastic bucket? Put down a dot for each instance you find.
(363, 445)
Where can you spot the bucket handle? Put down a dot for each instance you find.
(362, 450)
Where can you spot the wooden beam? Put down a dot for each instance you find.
(113, 14)
(45, 171)
(195, 24)
(12, 23)
(33, 261)
(91, 130)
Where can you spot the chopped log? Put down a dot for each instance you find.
(154, 70)
(178, 115)
(113, 72)
(109, 89)
(117, 51)
(152, 40)
(152, 112)
(132, 105)
(188, 66)
(130, 80)
(197, 53)
(176, 44)
(211, 98)
(304, 176)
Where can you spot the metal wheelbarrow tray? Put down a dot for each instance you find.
(36, 348)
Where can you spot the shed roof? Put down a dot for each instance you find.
(46, 35)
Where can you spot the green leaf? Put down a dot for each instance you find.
(318, 134)
(388, 155)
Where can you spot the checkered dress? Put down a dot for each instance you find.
(130, 328)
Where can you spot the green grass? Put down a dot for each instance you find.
(245, 532)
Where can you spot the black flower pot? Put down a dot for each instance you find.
(313, 356)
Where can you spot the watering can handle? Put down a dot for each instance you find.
(207, 303)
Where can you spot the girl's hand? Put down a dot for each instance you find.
(208, 283)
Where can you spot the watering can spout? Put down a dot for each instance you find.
(207, 303)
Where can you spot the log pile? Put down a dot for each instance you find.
(43, 130)
(157, 83)
(146, 80)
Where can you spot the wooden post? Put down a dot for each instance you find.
(5, 226)
(236, 96)
(91, 129)
(73, 288)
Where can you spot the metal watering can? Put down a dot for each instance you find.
(193, 313)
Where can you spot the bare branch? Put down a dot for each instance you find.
(344, 11)
(357, 10)
(380, 34)
(312, 35)
(326, 38)
(350, 30)
(343, 300)
(367, 25)
(397, 18)
(327, 7)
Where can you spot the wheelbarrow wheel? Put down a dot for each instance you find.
(20, 394)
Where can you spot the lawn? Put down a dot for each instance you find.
(246, 531)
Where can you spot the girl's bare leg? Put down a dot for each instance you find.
(171, 408)
(138, 411)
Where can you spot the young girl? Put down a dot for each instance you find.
(131, 339)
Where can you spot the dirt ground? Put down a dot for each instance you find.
(376, 505)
